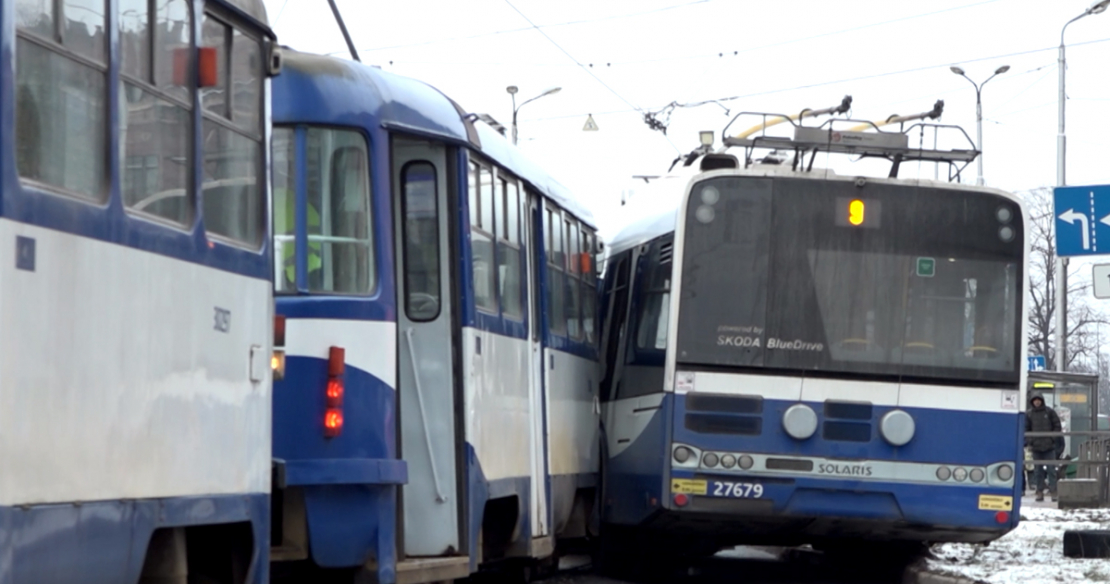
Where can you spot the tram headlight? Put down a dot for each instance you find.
(944, 473)
(960, 474)
(977, 475)
(1005, 472)
(728, 461)
(897, 427)
(710, 459)
(746, 461)
(682, 454)
(800, 421)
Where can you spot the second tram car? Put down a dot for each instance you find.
(794, 356)
(436, 300)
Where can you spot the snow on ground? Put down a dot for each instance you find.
(1031, 554)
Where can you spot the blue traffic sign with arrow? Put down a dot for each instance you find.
(1082, 220)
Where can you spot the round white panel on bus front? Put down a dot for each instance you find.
(800, 421)
(897, 427)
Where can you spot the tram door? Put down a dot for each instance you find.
(425, 367)
(532, 237)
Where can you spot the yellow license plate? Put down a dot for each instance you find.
(996, 503)
(689, 486)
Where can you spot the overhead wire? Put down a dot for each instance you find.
(847, 80)
(528, 28)
(584, 68)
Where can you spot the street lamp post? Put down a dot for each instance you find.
(1061, 180)
(979, 109)
(512, 89)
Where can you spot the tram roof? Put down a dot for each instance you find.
(336, 91)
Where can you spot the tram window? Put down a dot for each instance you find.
(216, 35)
(171, 35)
(556, 279)
(589, 288)
(574, 289)
(155, 120)
(472, 190)
(509, 272)
(61, 95)
(135, 39)
(340, 247)
(421, 241)
(483, 244)
(485, 184)
(284, 182)
(234, 205)
(512, 203)
(501, 230)
(36, 17)
(246, 65)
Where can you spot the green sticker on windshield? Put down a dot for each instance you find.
(926, 267)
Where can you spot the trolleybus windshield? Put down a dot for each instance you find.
(886, 280)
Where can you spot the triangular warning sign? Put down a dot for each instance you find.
(591, 125)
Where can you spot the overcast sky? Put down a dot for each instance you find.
(617, 59)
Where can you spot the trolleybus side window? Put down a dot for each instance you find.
(284, 184)
(482, 237)
(655, 296)
(232, 133)
(61, 95)
(340, 246)
(509, 276)
(617, 308)
(556, 287)
(156, 120)
(421, 241)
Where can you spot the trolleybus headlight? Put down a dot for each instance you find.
(710, 459)
(800, 421)
(1006, 233)
(682, 454)
(943, 473)
(897, 427)
(1005, 472)
(746, 462)
(960, 474)
(977, 475)
(728, 461)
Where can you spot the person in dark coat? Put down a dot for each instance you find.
(1041, 418)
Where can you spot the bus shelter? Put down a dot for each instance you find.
(1074, 396)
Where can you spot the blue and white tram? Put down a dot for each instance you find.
(436, 408)
(793, 356)
(136, 301)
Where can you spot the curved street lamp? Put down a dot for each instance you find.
(979, 109)
(512, 89)
(1061, 179)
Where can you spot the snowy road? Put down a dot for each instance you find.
(1031, 554)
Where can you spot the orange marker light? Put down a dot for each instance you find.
(333, 423)
(855, 212)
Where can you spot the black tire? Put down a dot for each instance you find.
(1087, 544)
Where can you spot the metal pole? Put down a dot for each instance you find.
(979, 125)
(1061, 263)
(514, 119)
